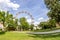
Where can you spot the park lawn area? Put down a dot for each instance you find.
(23, 36)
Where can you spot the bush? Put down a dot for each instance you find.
(45, 30)
(2, 32)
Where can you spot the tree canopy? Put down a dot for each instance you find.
(24, 23)
(54, 7)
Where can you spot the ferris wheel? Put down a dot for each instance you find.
(25, 12)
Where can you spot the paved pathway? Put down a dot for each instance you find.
(49, 32)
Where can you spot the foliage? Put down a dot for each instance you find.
(52, 23)
(54, 7)
(31, 26)
(12, 24)
(44, 25)
(7, 20)
(48, 25)
(24, 23)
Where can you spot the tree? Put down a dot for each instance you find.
(2, 17)
(50, 24)
(24, 23)
(51, 4)
(31, 26)
(16, 24)
(54, 7)
(12, 23)
(44, 25)
(7, 19)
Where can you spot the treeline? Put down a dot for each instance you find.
(53, 14)
(10, 23)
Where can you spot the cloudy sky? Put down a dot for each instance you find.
(37, 8)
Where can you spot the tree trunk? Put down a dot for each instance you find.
(58, 25)
(17, 28)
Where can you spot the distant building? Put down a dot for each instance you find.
(37, 27)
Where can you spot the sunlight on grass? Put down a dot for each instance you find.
(24, 36)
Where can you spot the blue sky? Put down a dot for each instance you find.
(36, 7)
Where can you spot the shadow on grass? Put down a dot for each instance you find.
(1, 33)
(44, 36)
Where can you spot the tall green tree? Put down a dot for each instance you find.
(54, 7)
(12, 24)
(3, 17)
(7, 19)
(24, 23)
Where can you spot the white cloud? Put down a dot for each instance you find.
(26, 17)
(41, 18)
(36, 22)
(29, 21)
(7, 4)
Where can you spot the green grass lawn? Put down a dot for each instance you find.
(24, 36)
